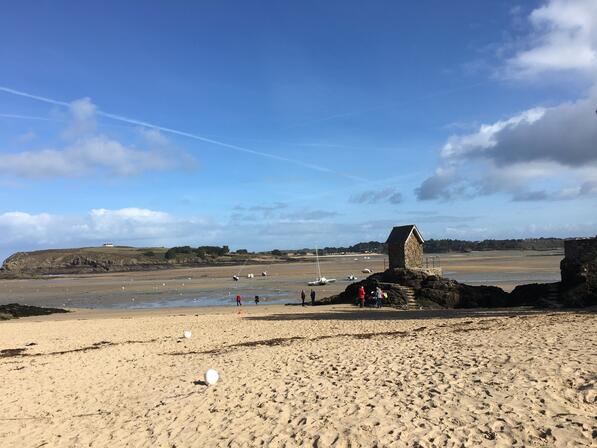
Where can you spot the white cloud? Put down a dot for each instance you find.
(82, 118)
(19, 226)
(88, 152)
(126, 225)
(541, 153)
(564, 38)
(536, 155)
(91, 155)
(485, 137)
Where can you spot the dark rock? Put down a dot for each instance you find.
(532, 294)
(430, 291)
(15, 310)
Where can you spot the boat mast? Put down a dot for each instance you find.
(318, 268)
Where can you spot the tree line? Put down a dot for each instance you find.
(430, 246)
(201, 251)
(448, 245)
(451, 245)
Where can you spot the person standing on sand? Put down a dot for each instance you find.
(361, 296)
(303, 296)
(312, 298)
(256, 300)
(378, 297)
(238, 302)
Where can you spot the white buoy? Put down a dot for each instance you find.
(212, 377)
(187, 334)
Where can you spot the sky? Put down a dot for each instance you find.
(271, 124)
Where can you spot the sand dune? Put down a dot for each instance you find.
(292, 376)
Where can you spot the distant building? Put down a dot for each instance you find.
(108, 245)
(405, 247)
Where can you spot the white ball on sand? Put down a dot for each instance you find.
(212, 377)
(187, 334)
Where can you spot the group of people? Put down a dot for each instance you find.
(304, 296)
(375, 298)
(239, 301)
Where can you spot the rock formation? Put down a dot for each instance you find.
(578, 287)
(430, 291)
(15, 310)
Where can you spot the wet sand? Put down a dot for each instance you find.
(293, 376)
(214, 285)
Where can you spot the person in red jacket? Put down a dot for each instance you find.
(361, 296)
(238, 302)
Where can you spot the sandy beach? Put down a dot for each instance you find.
(214, 285)
(292, 376)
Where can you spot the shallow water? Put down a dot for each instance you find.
(164, 300)
(195, 301)
(496, 278)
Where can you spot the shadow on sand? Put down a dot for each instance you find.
(390, 314)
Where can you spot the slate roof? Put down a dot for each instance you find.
(400, 234)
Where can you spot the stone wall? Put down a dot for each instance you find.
(409, 255)
(413, 253)
(579, 271)
(580, 260)
(396, 255)
(438, 272)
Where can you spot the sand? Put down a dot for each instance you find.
(500, 268)
(292, 376)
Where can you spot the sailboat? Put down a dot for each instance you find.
(237, 276)
(320, 281)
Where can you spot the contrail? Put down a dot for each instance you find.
(183, 134)
(24, 117)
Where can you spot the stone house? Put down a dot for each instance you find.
(405, 247)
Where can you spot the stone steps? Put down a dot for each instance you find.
(553, 293)
(411, 301)
(553, 296)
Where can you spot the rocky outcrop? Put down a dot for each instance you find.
(578, 287)
(430, 291)
(79, 261)
(92, 260)
(15, 310)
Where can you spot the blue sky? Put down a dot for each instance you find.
(275, 124)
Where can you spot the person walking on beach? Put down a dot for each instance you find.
(256, 300)
(378, 297)
(303, 296)
(312, 298)
(361, 296)
(238, 301)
